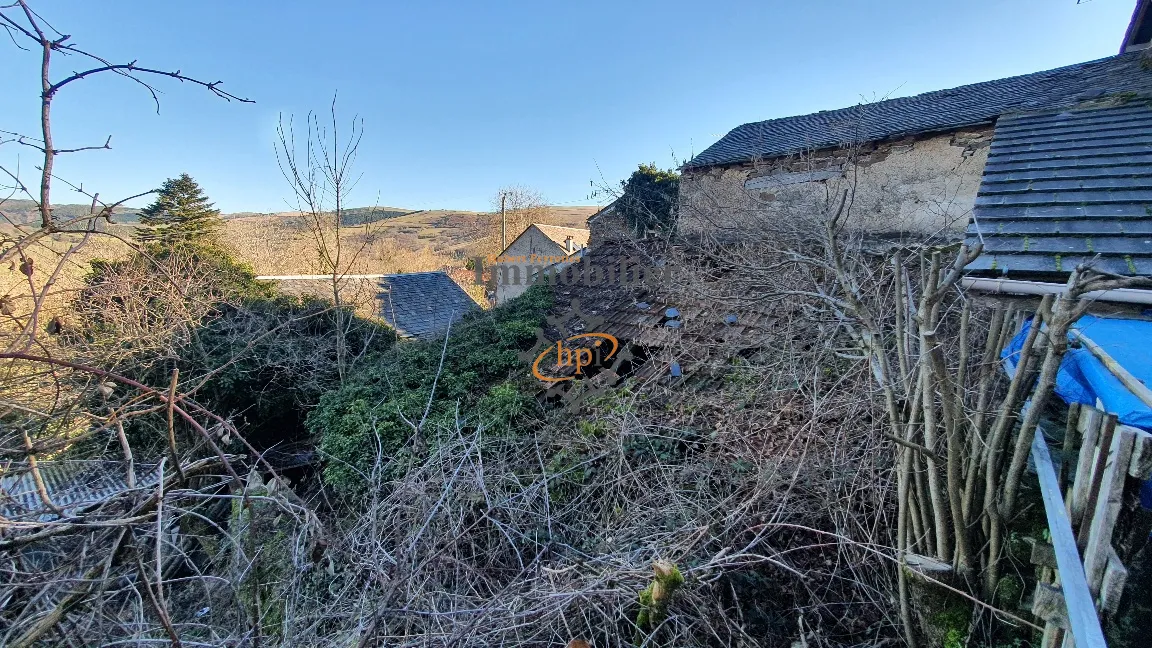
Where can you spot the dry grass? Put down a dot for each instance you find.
(769, 493)
(46, 254)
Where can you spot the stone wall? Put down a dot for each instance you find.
(920, 185)
(607, 225)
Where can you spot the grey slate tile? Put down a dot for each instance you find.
(1091, 202)
(422, 304)
(979, 103)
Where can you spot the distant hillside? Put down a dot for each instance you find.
(364, 215)
(24, 212)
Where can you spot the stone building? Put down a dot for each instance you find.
(913, 164)
(538, 248)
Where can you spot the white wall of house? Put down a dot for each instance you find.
(919, 185)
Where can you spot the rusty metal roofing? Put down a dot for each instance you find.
(1063, 187)
(943, 110)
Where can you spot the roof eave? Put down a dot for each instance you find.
(896, 136)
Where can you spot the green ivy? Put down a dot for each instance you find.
(648, 199)
(480, 380)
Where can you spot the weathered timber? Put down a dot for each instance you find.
(1108, 503)
(1081, 610)
(1112, 586)
(1090, 420)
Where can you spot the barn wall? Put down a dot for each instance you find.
(916, 185)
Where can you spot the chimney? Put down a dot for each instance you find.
(569, 246)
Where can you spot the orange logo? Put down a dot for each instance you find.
(578, 357)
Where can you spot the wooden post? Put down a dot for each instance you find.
(1082, 619)
(503, 224)
(1108, 502)
(1090, 419)
(1094, 474)
(1112, 587)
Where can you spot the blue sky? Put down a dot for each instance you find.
(460, 98)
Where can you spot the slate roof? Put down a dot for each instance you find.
(421, 304)
(559, 235)
(942, 110)
(1062, 186)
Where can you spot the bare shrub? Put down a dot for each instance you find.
(514, 208)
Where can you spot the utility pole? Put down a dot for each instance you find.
(503, 224)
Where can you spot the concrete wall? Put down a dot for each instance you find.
(919, 185)
(513, 269)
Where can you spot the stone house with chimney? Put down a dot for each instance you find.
(537, 248)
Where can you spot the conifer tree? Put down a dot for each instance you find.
(181, 214)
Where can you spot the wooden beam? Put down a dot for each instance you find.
(777, 180)
(1082, 619)
(1138, 389)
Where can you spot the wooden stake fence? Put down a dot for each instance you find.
(1086, 573)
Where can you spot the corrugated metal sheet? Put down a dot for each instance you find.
(943, 110)
(71, 486)
(1063, 186)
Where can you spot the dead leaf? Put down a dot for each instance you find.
(26, 266)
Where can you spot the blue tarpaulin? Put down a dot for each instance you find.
(1083, 378)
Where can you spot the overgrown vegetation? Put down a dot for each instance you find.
(648, 199)
(255, 356)
(391, 405)
(752, 496)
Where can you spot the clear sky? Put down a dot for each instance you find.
(459, 98)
